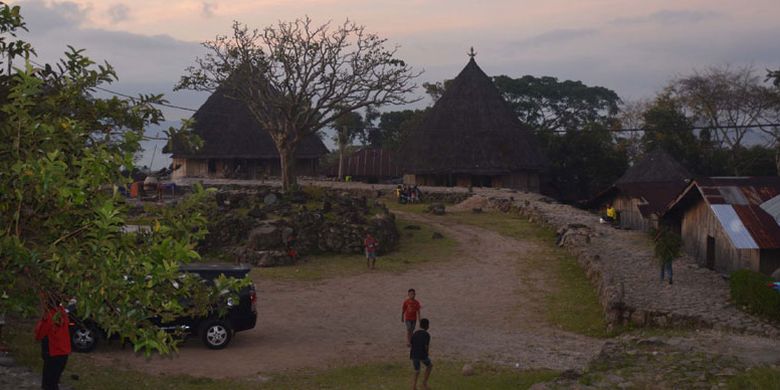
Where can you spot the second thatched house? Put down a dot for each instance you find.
(471, 137)
(235, 146)
(641, 195)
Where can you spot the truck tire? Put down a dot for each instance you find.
(216, 334)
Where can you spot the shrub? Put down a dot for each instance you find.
(667, 245)
(749, 289)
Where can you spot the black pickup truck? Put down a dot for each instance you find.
(215, 331)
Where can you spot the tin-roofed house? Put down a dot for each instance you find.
(730, 223)
(236, 146)
(641, 195)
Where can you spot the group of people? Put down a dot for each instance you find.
(408, 194)
(418, 341)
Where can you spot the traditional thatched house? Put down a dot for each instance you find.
(730, 223)
(641, 195)
(471, 137)
(235, 146)
(371, 165)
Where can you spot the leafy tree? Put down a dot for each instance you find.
(583, 162)
(393, 127)
(546, 104)
(297, 78)
(667, 127)
(61, 216)
(348, 127)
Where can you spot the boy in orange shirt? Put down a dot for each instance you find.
(410, 313)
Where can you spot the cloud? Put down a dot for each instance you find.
(119, 13)
(42, 17)
(556, 36)
(208, 9)
(669, 17)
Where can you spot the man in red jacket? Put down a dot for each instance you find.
(52, 331)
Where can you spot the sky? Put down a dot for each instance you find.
(633, 47)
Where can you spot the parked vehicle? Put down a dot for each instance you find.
(215, 331)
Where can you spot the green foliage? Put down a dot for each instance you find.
(393, 128)
(668, 245)
(61, 216)
(667, 127)
(546, 104)
(759, 378)
(749, 290)
(582, 163)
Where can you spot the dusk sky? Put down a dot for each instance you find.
(633, 47)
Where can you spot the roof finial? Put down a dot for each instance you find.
(472, 53)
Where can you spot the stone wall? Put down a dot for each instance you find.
(621, 266)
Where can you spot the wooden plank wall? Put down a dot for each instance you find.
(699, 222)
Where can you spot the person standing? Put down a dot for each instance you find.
(410, 313)
(419, 353)
(371, 245)
(53, 333)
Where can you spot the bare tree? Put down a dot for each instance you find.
(733, 101)
(297, 78)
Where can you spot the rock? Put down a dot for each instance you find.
(257, 213)
(776, 275)
(270, 199)
(468, 370)
(265, 236)
(476, 210)
(412, 227)
(437, 208)
(437, 236)
(271, 259)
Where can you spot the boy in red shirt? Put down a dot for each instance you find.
(52, 330)
(371, 244)
(410, 313)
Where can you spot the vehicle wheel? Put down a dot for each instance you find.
(84, 339)
(216, 334)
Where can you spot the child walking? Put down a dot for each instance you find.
(410, 313)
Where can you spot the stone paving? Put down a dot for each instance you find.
(620, 263)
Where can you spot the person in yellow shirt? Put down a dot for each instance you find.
(611, 214)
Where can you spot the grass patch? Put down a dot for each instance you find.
(446, 375)
(756, 378)
(574, 305)
(415, 247)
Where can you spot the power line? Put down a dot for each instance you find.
(131, 97)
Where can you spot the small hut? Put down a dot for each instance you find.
(641, 195)
(471, 137)
(730, 223)
(235, 146)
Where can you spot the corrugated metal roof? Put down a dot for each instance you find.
(732, 195)
(732, 224)
(772, 207)
(762, 227)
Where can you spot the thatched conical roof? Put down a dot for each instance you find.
(228, 130)
(471, 130)
(656, 166)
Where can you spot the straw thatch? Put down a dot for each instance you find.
(471, 130)
(655, 166)
(229, 131)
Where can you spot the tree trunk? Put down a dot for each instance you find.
(342, 146)
(287, 163)
(777, 158)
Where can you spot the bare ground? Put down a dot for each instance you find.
(484, 305)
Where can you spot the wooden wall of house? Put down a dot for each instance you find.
(523, 181)
(630, 216)
(240, 168)
(770, 261)
(699, 223)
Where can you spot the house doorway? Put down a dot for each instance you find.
(710, 252)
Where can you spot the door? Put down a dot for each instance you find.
(710, 252)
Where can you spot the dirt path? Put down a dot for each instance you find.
(482, 305)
